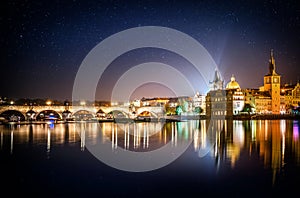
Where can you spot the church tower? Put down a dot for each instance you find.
(272, 85)
(217, 83)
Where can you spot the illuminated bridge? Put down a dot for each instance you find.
(24, 112)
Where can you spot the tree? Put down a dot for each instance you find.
(178, 110)
(198, 110)
(247, 108)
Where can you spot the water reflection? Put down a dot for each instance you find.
(37, 135)
(144, 136)
(275, 142)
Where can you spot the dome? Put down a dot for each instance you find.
(232, 84)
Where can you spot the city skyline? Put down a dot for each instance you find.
(43, 44)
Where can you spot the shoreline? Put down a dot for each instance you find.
(173, 118)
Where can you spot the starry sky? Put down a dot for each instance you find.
(43, 43)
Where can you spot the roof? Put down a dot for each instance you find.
(233, 84)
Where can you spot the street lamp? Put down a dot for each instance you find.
(48, 102)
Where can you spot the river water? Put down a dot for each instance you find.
(151, 159)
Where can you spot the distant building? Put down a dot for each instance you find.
(154, 101)
(219, 103)
(218, 100)
(287, 93)
(136, 103)
(199, 102)
(290, 95)
(296, 96)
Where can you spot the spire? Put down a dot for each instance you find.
(272, 58)
(232, 78)
(272, 64)
(217, 82)
(217, 76)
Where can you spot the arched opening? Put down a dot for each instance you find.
(146, 116)
(12, 115)
(83, 115)
(116, 114)
(48, 115)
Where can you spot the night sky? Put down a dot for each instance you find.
(44, 42)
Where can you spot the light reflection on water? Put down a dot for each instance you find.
(275, 142)
(271, 138)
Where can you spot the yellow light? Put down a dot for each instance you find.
(82, 103)
(48, 102)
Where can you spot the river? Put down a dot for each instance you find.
(231, 158)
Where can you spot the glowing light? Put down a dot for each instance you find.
(48, 140)
(282, 126)
(11, 142)
(48, 102)
(295, 132)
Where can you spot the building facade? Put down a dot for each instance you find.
(238, 100)
(218, 100)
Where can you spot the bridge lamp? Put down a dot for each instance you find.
(48, 102)
(114, 103)
(82, 103)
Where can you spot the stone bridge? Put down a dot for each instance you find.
(27, 111)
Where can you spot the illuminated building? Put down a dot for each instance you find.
(296, 95)
(224, 102)
(199, 101)
(291, 97)
(249, 97)
(286, 92)
(238, 101)
(270, 91)
(218, 100)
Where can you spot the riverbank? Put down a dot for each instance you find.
(266, 117)
(172, 118)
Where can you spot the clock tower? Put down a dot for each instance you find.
(272, 85)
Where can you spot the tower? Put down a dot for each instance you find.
(272, 85)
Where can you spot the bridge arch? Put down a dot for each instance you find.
(155, 110)
(147, 114)
(48, 115)
(13, 115)
(83, 115)
(117, 114)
